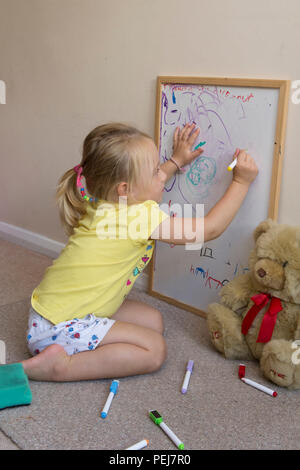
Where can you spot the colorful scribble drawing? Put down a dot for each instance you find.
(210, 281)
(222, 115)
(202, 171)
(218, 283)
(203, 105)
(200, 270)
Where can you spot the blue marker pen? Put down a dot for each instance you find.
(113, 390)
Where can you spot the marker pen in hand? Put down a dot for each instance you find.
(232, 165)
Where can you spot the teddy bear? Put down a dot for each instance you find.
(259, 312)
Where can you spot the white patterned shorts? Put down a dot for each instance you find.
(76, 335)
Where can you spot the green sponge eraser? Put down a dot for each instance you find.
(14, 386)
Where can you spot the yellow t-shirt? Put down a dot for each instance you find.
(100, 263)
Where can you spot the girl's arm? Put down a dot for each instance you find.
(169, 167)
(184, 230)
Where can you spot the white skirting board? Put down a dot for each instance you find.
(46, 246)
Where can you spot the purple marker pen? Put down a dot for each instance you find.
(188, 373)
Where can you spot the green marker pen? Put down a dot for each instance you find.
(158, 419)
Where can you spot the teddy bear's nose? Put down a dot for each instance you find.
(261, 272)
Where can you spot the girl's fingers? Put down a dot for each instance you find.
(183, 132)
(186, 131)
(193, 136)
(197, 153)
(236, 153)
(242, 155)
(176, 135)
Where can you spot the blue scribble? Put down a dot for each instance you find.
(202, 171)
(200, 270)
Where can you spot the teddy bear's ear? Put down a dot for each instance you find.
(263, 227)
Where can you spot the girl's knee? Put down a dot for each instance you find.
(158, 322)
(158, 353)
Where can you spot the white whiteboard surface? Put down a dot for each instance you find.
(228, 117)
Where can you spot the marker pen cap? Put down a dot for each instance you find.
(242, 371)
(190, 366)
(114, 386)
(155, 416)
(103, 414)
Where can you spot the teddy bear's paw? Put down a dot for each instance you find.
(215, 328)
(225, 332)
(278, 364)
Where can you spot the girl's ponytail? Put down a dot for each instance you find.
(70, 203)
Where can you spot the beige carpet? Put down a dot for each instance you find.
(218, 412)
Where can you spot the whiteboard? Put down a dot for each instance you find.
(228, 117)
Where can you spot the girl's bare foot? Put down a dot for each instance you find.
(48, 364)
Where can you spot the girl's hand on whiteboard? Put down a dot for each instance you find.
(183, 144)
(245, 170)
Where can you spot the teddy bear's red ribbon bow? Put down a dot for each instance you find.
(270, 317)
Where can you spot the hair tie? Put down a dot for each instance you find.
(78, 169)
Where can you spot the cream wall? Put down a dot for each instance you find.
(70, 65)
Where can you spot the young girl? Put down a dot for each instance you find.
(80, 326)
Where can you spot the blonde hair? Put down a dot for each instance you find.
(111, 153)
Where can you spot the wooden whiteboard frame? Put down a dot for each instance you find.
(284, 91)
